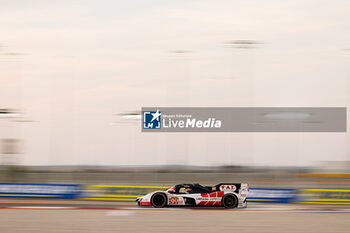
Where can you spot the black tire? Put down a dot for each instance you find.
(229, 201)
(159, 200)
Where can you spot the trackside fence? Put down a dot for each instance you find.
(131, 192)
(53, 191)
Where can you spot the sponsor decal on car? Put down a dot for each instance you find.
(210, 198)
(228, 187)
(145, 203)
(176, 201)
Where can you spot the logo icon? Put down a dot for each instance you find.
(151, 120)
(228, 188)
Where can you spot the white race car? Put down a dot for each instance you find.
(228, 195)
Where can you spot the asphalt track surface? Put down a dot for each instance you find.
(45, 216)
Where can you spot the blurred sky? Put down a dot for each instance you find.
(72, 65)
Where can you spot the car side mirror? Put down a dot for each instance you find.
(171, 191)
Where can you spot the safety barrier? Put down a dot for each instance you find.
(130, 193)
(324, 196)
(272, 195)
(325, 175)
(117, 192)
(21, 190)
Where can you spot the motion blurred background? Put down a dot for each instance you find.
(75, 74)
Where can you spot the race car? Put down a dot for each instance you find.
(228, 195)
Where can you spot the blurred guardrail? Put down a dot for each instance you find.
(55, 191)
(272, 195)
(324, 196)
(130, 193)
(117, 192)
(325, 175)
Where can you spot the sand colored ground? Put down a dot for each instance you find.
(178, 220)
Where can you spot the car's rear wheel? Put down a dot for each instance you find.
(159, 200)
(229, 201)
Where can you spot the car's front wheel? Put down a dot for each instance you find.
(229, 201)
(159, 200)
